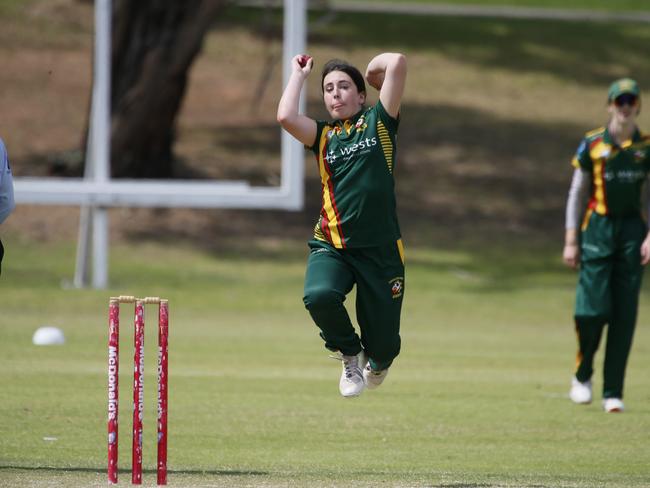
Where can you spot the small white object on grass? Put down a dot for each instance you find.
(48, 336)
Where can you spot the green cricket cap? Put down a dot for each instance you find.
(624, 85)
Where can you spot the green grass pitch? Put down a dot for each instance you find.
(477, 398)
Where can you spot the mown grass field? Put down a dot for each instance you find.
(477, 398)
(492, 114)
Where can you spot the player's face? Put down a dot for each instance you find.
(624, 108)
(342, 99)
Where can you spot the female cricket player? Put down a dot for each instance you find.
(611, 165)
(356, 240)
(6, 190)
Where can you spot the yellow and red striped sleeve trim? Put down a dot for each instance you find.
(330, 219)
(599, 198)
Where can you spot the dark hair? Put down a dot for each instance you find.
(351, 71)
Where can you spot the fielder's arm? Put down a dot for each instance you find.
(580, 184)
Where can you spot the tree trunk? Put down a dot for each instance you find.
(154, 45)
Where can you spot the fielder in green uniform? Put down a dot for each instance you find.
(611, 169)
(356, 240)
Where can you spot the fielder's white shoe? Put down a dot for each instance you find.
(351, 383)
(611, 405)
(580, 392)
(374, 378)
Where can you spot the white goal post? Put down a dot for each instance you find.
(96, 192)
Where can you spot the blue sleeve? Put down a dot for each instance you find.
(7, 203)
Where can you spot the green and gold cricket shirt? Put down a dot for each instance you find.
(356, 159)
(618, 172)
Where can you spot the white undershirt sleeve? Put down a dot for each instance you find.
(577, 199)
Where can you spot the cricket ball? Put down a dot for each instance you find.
(303, 60)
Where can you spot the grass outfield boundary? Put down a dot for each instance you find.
(478, 397)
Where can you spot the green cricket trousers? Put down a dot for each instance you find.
(608, 294)
(378, 273)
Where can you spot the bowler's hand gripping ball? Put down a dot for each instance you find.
(303, 60)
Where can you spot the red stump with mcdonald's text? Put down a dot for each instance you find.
(163, 335)
(138, 386)
(113, 390)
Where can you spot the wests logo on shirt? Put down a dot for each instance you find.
(346, 152)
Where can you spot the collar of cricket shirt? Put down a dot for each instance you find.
(608, 139)
(348, 125)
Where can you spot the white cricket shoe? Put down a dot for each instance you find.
(580, 392)
(374, 378)
(611, 405)
(352, 382)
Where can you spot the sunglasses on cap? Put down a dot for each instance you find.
(626, 99)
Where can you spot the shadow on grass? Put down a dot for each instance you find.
(463, 176)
